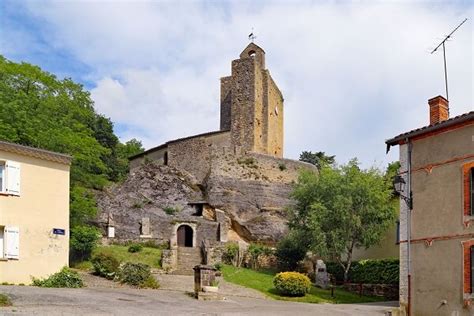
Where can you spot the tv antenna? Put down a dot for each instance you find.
(444, 55)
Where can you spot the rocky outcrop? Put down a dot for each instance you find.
(251, 190)
(157, 192)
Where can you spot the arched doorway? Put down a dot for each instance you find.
(185, 236)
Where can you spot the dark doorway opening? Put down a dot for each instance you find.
(165, 158)
(185, 236)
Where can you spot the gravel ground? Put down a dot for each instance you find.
(122, 301)
(105, 297)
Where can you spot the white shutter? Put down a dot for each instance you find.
(12, 237)
(13, 178)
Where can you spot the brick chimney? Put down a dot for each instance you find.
(439, 109)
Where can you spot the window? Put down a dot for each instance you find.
(10, 177)
(2, 176)
(471, 189)
(468, 191)
(2, 242)
(472, 268)
(9, 242)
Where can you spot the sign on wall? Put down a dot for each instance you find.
(59, 231)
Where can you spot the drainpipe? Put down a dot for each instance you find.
(410, 207)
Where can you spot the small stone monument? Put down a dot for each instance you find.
(110, 226)
(145, 229)
(322, 276)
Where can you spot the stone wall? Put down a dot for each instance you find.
(157, 156)
(256, 105)
(193, 154)
(388, 291)
(274, 117)
(226, 103)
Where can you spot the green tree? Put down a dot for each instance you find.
(37, 109)
(342, 208)
(319, 159)
(83, 241)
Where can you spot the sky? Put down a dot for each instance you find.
(352, 74)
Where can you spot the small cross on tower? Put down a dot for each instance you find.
(252, 36)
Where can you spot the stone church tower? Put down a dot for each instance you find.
(252, 105)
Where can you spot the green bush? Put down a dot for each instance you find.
(371, 271)
(137, 274)
(292, 283)
(218, 266)
(256, 251)
(64, 278)
(135, 248)
(290, 250)
(83, 241)
(5, 300)
(231, 253)
(105, 265)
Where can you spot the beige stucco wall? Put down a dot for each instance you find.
(43, 204)
(388, 247)
(437, 269)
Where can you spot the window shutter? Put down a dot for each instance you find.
(13, 178)
(12, 236)
(471, 181)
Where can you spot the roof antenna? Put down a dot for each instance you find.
(252, 36)
(444, 55)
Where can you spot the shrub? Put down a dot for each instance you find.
(170, 210)
(231, 254)
(372, 271)
(290, 250)
(83, 241)
(105, 265)
(5, 300)
(292, 283)
(135, 248)
(218, 266)
(137, 274)
(64, 278)
(256, 251)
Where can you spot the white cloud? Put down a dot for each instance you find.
(352, 75)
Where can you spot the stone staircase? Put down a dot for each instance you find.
(188, 258)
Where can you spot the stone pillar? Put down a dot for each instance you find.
(145, 231)
(204, 283)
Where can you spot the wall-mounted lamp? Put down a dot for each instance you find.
(399, 184)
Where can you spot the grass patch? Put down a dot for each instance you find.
(263, 281)
(5, 300)
(149, 256)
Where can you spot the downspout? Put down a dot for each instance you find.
(410, 207)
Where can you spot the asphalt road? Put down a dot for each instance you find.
(112, 301)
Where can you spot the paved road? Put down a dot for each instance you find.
(121, 301)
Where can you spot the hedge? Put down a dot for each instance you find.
(370, 271)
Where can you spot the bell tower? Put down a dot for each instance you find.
(252, 105)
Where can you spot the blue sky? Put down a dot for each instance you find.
(352, 73)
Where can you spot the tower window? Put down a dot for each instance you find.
(252, 53)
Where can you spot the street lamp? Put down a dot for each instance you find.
(399, 185)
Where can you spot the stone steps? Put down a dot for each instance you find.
(188, 258)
